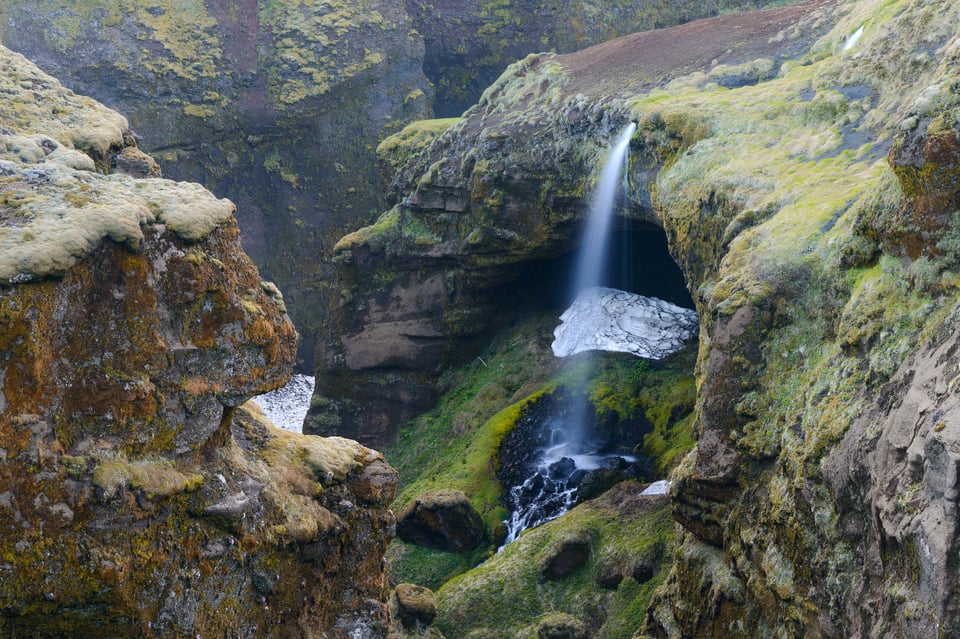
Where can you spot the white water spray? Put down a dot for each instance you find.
(594, 245)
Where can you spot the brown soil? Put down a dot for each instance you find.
(640, 61)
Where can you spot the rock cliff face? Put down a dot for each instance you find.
(137, 496)
(279, 106)
(802, 163)
(492, 198)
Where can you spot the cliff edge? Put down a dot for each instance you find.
(139, 496)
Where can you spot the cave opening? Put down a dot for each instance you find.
(637, 261)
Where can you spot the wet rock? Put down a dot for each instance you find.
(441, 519)
(562, 468)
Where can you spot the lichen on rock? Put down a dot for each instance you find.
(138, 497)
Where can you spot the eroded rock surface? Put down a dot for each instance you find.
(137, 496)
(442, 519)
(808, 193)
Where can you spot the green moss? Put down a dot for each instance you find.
(397, 149)
(155, 477)
(376, 236)
(508, 593)
(313, 50)
(456, 445)
(427, 567)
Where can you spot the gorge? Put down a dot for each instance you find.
(795, 169)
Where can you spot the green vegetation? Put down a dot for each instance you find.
(313, 52)
(509, 594)
(455, 445)
(400, 147)
(155, 477)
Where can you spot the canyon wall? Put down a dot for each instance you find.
(802, 164)
(139, 496)
(280, 106)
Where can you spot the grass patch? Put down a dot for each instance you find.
(456, 444)
(507, 595)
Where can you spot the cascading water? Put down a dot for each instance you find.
(567, 456)
(568, 451)
(593, 247)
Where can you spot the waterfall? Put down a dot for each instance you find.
(593, 247)
(569, 455)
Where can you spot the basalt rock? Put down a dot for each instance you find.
(561, 626)
(138, 496)
(442, 519)
(807, 191)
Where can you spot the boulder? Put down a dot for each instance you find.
(416, 605)
(441, 519)
(561, 626)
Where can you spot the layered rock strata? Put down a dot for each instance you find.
(138, 497)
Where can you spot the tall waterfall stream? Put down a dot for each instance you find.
(602, 319)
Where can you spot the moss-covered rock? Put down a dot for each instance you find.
(441, 519)
(462, 443)
(137, 496)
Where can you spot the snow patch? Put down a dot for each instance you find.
(661, 487)
(287, 406)
(605, 319)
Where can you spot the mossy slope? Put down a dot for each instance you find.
(508, 594)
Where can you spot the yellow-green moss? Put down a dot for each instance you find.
(155, 477)
(59, 232)
(48, 109)
(314, 50)
(397, 149)
(71, 210)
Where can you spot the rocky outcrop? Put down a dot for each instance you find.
(442, 519)
(496, 199)
(468, 44)
(806, 184)
(416, 605)
(138, 496)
